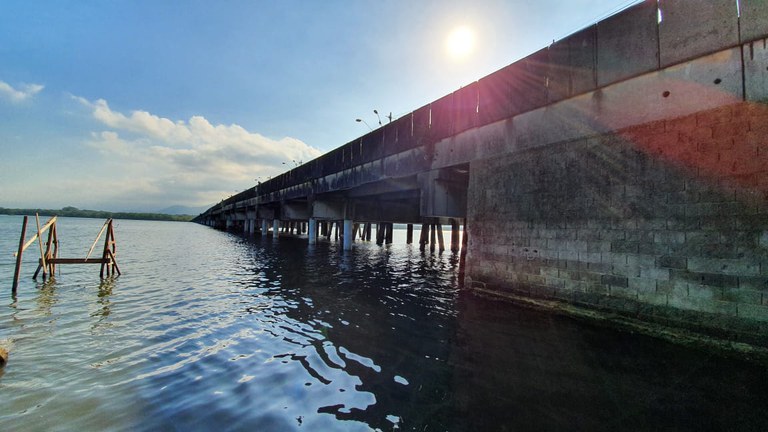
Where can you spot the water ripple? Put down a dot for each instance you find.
(206, 330)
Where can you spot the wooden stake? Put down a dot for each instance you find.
(40, 242)
(17, 272)
(34, 237)
(55, 245)
(105, 255)
(103, 227)
(49, 252)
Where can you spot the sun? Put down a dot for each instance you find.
(460, 42)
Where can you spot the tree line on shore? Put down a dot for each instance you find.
(97, 214)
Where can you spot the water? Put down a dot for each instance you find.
(211, 331)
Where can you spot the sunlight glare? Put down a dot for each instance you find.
(460, 42)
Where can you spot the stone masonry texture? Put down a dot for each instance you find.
(666, 221)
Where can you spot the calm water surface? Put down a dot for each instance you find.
(212, 331)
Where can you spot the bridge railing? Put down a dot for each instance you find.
(643, 38)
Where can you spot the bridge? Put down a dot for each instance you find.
(623, 168)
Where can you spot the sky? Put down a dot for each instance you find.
(143, 104)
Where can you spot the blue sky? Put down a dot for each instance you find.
(140, 105)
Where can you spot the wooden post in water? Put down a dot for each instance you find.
(409, 234)
(389, 232)
(49, 254)
(440, 241)
(43, 264)
(17, 271)
(107, 251)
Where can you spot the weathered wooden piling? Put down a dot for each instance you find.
(17, 271)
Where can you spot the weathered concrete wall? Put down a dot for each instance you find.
(666, 220)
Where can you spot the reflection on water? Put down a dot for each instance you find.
(102, 310)
(46, 298)
(206, 330)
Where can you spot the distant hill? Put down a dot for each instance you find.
(183, 210)
(98, 214)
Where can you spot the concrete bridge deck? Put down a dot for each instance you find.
(624, 167)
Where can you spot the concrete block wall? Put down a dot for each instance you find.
(666, 221)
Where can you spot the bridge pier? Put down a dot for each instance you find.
(409, 234)
(276, 228)
(455, 234)
(347, 235)
(312, 231)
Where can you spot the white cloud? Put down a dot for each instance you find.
(189, 162)
(23, 93)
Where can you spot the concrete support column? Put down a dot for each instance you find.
(347, 234)
(252, 226)
(455, 235)
(229, 223)
(312, 231)
(275, 228)
(264, 227)
(409, 234)
(245, 226)
(380, 233)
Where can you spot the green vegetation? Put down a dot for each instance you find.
(97, 214)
